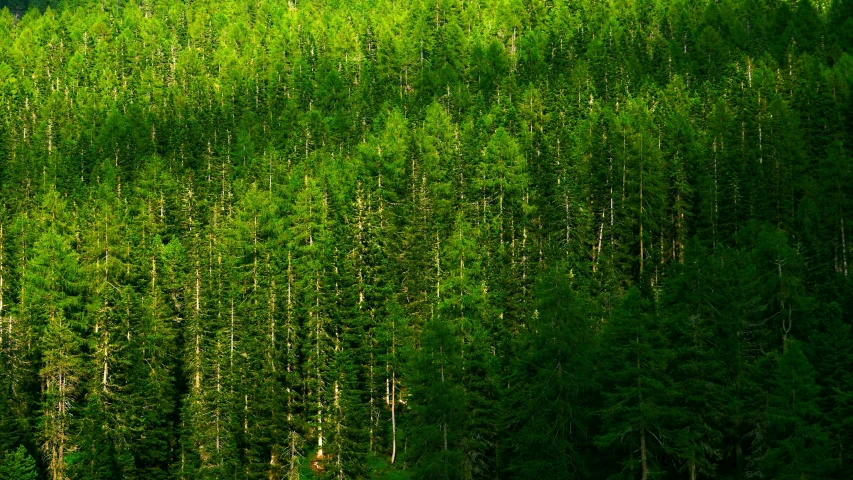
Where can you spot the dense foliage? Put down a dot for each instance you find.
(438, 239)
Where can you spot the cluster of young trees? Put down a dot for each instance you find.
(432, 239)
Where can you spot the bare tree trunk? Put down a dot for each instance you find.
(273, 465)
(317, 334)
(106, 363)
(596, 250)
(393, 391)
(293, 470)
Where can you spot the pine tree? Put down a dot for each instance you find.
(18, 465)
(308, 238)
(61, 344)
(201, 413)
(11, 356)
(545, 396)
(347, 443)
(637, 398)
(394, 335)
(698, 364)
(502, 187)
(52, 303)
(254, 332)
(831, 351)
(437, 402)
(797, 446)
(379, 194)
(453, 392)
(105, 433)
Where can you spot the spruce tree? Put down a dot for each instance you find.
(634, 360)
(18, 465)
(52, 286)
(831, 351)
(797, 446)
(545, 396)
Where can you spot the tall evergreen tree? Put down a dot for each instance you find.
(18, 465)
(634, 361)
(52, 302)
(797, 443)
(545, 395)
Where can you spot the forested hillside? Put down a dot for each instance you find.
(430, 239)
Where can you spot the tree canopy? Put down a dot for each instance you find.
(434, 239)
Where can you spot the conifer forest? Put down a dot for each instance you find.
(426, 239)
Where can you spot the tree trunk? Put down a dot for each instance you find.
(293, 471)
(393, 418)
(106, 363)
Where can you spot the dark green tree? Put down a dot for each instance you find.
(545, 397)
(797, 446)
(634, 361)
(18, 465)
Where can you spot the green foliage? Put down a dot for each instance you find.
(638, 401)
(545, 399)
(796, 443)
(429, 239)
(18, 465)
